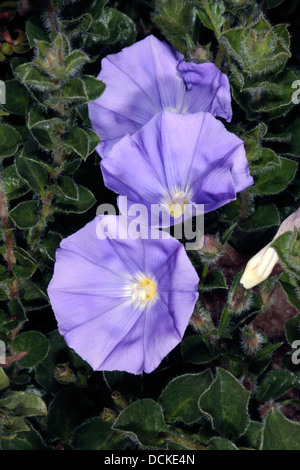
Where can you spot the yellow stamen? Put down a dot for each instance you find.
(144, 290)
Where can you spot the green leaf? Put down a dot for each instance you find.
(23, 404)
(294, 143)
(85, 201)
(194, 350)
(253, 140)
(275, 384)
(215, 280)
(219, 443)
(292, 328)
(265, 161)
(10, 140)
(96, 434)
(36, 346)
(276, 179)
(253, 434)
(33, 78)
(68, 187)
(68, 409)
(93, 87)
(265, 216)
(291, 288)
(179, 399)
(4, 380)
(287, 247)
(279, 433)
(16, 309)
(34, 30)
(58, 353)
(262, 359)
(33, 173)
(78, 140)
(211, 14)
(226, 404)
(25, 266)
(259, 49)
(74, 61)
(50, 243)
(176, 20)
(29, 440)
(13, 186)
(17, 98)
(24, 214)
(143, 420)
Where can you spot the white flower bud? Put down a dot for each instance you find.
(261, 265)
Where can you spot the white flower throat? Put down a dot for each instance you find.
(177, 200)
(142, 290)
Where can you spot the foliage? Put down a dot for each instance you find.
(213, 391)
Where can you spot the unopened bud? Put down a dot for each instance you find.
(201, 54)
(251, 340)
(266, 407)
(210, 248)
(107, 415)
(201, 319)
(261, 265)
(267, 292)
(64, 374)
(119, 400)
(239, 300)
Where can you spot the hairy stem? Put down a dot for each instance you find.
(8, 241)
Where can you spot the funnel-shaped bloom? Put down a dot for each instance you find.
(261, 265)
(176, 161)
(148, 77)
(122, 304)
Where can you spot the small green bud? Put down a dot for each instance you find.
(64, 374)
(119, 400)
(6, 48)
(107, 415)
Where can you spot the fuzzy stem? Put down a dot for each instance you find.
(204, 273)
(44, 213)
(8, 241)
(220, 55)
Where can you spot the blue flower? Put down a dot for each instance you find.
(148, 77)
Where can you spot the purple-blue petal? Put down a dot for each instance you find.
(208, 89)
(146, 78)
(92, 307)
(193, 151)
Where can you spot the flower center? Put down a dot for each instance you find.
(143, 290)
(177, 200)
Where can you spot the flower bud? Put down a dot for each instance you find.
(64, 374)
(119, 400)
(251, 340)
(107, 415)
(261, 265)
(201, 319)
(266, 407)
(210, 248)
